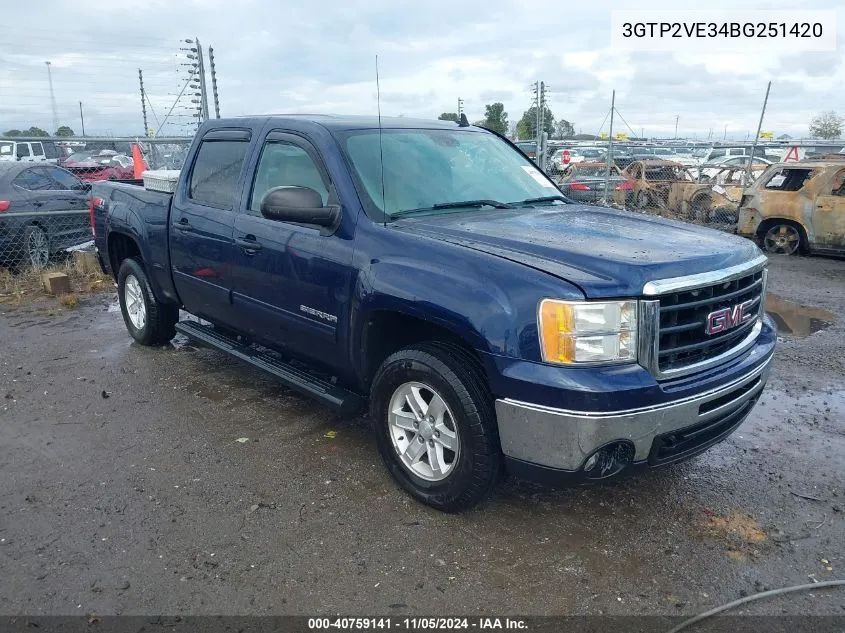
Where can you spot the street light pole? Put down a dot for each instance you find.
(52, 98)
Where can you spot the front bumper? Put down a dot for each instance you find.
(547, 439)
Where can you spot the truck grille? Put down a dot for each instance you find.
(673, 318)
(683, 317)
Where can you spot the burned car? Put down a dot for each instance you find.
(584, 182)
(797, 207)
(658, 183)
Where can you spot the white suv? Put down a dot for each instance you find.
(28, 151)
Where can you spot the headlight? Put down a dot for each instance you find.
(574, 332)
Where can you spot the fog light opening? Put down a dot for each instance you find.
(609, 460)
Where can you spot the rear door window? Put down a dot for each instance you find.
(64, 180)
(216, 171)
(37, 150)
(33, 180)
(788, 179)
(838, 188)
(50, 150)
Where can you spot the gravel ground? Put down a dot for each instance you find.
(125, 490)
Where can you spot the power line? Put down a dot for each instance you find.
(625, 122)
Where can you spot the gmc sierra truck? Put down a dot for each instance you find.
(431, 270)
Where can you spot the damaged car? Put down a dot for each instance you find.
(797, 207)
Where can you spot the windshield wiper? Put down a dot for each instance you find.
(543, 199)
(455, 205)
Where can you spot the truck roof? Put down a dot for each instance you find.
(340, 122)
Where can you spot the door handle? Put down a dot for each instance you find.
(182, 224)
(249, 244)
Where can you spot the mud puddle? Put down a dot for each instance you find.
(796, 319)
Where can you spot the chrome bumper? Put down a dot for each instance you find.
(562, 439)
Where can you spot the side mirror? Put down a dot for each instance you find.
(298, 204)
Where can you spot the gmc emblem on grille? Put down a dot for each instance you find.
(728, 318)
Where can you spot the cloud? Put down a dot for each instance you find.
(283, 56)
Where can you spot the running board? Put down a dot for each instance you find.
(331, 395)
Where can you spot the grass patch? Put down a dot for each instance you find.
(25, 285)
(71, 302)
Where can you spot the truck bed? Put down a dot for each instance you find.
(124, 210)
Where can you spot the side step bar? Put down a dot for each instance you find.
(331, 395)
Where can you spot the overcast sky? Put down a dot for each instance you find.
(318, 56)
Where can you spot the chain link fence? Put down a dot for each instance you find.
(708, 194)
(44, 208)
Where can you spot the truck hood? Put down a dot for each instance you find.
(607, 253)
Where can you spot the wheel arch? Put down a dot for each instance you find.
(386, 331)
(122, 246)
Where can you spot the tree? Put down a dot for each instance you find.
(526, 129)
(448, 116)
(564, 129)
(33, 131)
(827, 125)
(495, 118)
(64, 131)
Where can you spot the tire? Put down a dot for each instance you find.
(149, 321)
(643, 200)
(700, 207)
(470, 470)
(36, 247)
(783, 238)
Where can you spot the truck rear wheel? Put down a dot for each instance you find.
(435, 425)
(149, 321)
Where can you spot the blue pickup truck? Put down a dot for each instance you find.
(430, 270)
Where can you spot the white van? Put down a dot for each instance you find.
(28, 151)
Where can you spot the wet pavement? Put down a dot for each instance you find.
(174, 480)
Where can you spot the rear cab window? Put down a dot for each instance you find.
(217, 169)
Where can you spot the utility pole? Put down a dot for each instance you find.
(759, 125)
(539, 90)
(677, 118)
(460, 107)
(203, 89)
(609, 160)
(52, 98)
(81, 118)
(143, 103)
(214, 82)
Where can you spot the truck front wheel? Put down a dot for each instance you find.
(435, 425)
(148, 321)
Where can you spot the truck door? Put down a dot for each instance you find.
(292, 281)
(829, 214)
(202, 248)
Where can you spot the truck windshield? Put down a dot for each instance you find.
(426, 170)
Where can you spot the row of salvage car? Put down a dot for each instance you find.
(789, 208)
